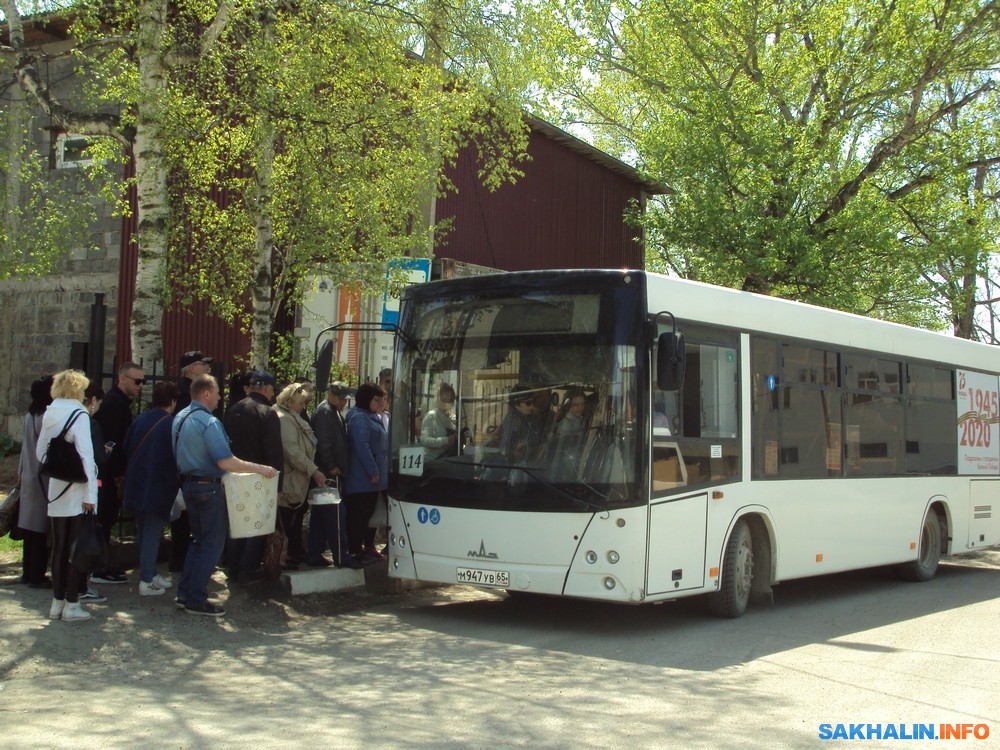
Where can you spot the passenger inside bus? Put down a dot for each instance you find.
(569, 434)
(542, 416)
(438, 430)
(519, 438)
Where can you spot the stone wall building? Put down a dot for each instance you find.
(44, 315)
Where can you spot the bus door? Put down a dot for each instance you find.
(694, 445)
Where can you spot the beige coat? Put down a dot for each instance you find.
(299, 445)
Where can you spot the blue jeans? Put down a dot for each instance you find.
(328, 526)
(206, 507)
(148, 528)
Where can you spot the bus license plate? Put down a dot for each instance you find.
(498, 578)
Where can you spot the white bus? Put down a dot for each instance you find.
(628, 437)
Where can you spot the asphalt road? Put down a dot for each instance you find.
(465, 668)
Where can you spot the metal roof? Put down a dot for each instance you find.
(594, 154)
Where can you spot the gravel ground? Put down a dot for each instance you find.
(142, 673)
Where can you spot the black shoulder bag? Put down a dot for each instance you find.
(62, 460)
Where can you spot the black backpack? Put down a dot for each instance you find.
(62, 460)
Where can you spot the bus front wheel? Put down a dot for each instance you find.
(737, 574)
(928, 553)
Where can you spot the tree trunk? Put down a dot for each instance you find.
(263, 319)
(151, 187)
(434, 57)
(964, 316)
(15, 152)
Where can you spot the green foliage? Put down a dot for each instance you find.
(822, 151)
(345, 373)
(362, 128)
(291, 361)
(45, 213)
(8, 445)
(9, 548)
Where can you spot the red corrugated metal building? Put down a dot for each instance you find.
(567, 211)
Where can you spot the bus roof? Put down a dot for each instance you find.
(754, 313)
(745, 311)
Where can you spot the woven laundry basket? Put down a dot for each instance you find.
(252, 501)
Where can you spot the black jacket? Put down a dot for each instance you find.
(255, 432)
(332, 449)
(183, 393)
(114, 417)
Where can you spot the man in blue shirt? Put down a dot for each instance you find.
(201, 448)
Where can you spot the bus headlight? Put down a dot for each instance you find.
(609, 583)
(392, 540)
(613, 557)
(402, 541)
(591, 556)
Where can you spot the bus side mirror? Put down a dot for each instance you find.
(670, 362)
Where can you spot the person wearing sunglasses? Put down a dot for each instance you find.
(114, 417)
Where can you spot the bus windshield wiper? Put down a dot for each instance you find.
(575, 501)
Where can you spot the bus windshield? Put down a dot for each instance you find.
(517, 402)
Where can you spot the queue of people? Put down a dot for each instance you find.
(167, 465)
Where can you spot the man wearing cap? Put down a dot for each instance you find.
(333, 453)
(193, 364)
(255, 435)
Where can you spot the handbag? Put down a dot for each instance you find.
(61, 459)
(9, 508)
(89, 551)
(275, 554)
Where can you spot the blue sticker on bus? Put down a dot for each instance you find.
(422, 515)
(772, 382)
(435, 516)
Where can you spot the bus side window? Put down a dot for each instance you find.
(669, 471)
(695, 431)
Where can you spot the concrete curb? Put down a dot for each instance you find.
(319, 580)
(373, 578)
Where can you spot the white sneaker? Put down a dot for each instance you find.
(56, 610)
(73, 612)
(150, 589)
(164, 582)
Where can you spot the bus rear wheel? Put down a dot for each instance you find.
(928, 552)
(737, 574)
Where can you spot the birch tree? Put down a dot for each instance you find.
(338, 137)
(296, 137)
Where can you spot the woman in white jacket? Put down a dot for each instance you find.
(68, 501)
